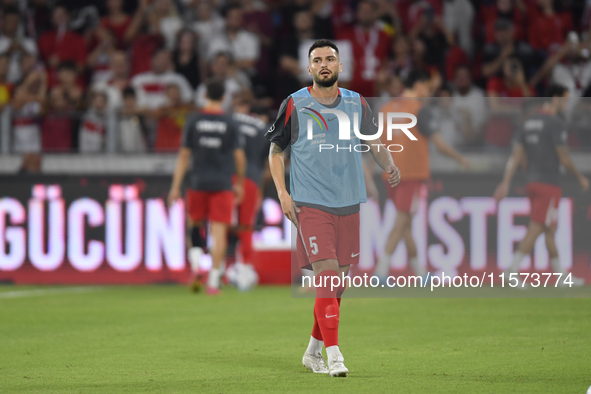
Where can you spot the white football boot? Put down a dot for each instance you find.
(337, 368)
(315, 362)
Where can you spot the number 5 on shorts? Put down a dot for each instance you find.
(313, 246)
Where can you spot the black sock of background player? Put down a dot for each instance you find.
(232, 244)
(198, 238)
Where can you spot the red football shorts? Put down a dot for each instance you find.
(405, 195)
(544, 199)
(215, 206)
(249, 207)
(322, 235)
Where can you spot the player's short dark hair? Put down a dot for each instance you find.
(555, 90)
(321, 44)
(215, 89)
(128, 92)
(415, 76)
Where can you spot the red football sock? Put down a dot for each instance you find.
(316, 333)
(246, 245)
(326, 308)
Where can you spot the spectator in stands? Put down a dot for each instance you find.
(209, 24)
(14, 44)
(118, 23)
(401, 63)
(411, 11)
(28, 64)
(92, 134)
(235, 82)
(244, 46)
(171, 120)
(505, 46)
(388, 86)
(510, 10)
(258, 21)
(547, 29)
(454, 126)
(187, 61)
(113, 81)
(39, 17)
(61, 45)
(164, 20)
(419, 58)
(292, 65)
(144, 40)
(131, 130)
(370, 48)
(99, 58)
(150, 86)
(513, 82)
(506, 95)
(431, 30)
(58, 122)
(572, 66)
(27, 105)
(469, 99)
(67, 84)
(458, 16)
(5, 86)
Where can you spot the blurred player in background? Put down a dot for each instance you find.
(542, 141)
(413, 162)
(326, 190)
(253, 128)
(212, 140)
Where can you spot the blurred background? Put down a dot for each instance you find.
(94, 95)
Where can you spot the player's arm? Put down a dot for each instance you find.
(280, 136)
(384, 159)
(378, 150)
(240, 162)
(567, 162)
(277, 168)
(447, 150)
(182, 163)
(512, 164)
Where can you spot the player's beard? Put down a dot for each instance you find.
(326, 82)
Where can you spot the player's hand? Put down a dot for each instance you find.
(501, 192)
(238, 193)
(464, 163)
(289, 208)
(173, 195)
(584, 182)
(394, 175)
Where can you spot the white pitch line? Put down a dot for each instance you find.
(49, 291)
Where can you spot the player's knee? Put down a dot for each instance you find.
(197, 238)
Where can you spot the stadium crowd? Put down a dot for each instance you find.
(122, 75)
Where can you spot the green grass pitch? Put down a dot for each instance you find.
(163, 339)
